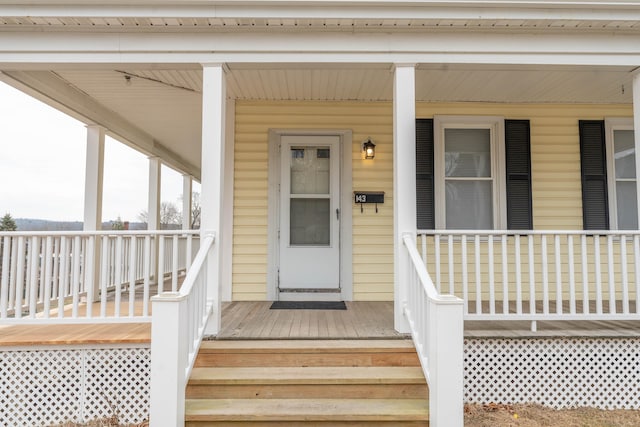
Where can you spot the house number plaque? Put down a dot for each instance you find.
(363, 197)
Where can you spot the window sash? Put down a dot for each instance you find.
(619, 220)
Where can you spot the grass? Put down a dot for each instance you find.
(493, 415)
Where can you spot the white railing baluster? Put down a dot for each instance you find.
(476, 242)
(465, 273)
(34, 281)
(636, 273)
(505, 276)
(174, 267)
(4, 282)
(56, 268)
(104, 275)
(64, 275)
(623, 267)
(188, 254)
(492, 284)
(518, 262)
(47, 276)
(147, 275)
(572, 275)
(532, 276)
(545, 274)
(20, 277)
(160, 276)
(596, 255)
(75, 282)
(611, 275)
(558, 267)
(423, 241)
(452, 290)
(437, 256)
(90, 273)
(14, 269)
(585, 274)
(118, 276)
(132, 275)
(41, 270)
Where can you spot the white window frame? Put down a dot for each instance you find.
(496, 126)
(611, 125)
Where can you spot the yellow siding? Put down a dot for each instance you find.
(555, 163)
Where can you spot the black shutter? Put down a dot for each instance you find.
(424, 174)
(595, 205)
(518, 173)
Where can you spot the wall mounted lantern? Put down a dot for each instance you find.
(369, 149)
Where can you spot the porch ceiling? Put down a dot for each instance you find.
(163, 106)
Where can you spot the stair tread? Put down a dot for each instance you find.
(307, 409)
(307, 346)
(308, 375)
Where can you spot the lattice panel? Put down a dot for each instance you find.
(44, 387)
(556, 372)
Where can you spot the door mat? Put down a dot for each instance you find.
(308, 305)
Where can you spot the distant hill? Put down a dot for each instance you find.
(28, 224)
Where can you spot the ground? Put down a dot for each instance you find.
(493, 415)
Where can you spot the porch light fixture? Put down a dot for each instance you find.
(369, 149)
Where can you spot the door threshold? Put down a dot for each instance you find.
(306, 294)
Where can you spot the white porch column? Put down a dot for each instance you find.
(153, 210)
(213, 141)
(187, 184)
(404, 181)
(636, 129)
(93, 178)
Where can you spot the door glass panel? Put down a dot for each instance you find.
(469, 205)
(309, 222)
(310, 170)
(467, 152)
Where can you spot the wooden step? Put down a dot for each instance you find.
(307, 383)
(331, 411)
(310, 382)
(396, 352)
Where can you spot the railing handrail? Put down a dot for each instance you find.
(197, 264)
(423, 274)
(531, 232)
(98, 233)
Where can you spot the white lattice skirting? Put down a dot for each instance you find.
(44, 387)
(556, 372)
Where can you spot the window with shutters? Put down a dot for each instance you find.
(621, 174)
(469, 173)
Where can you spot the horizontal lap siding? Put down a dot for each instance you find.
(555, 161)
(372, 233)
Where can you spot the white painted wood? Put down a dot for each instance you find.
(118, 275)
(438, 264)
(310, 266)
(155, 182)
(20, 278)
(93, 183)
(505, 276)
(160, 264)
(611, 276)
(174, 265)
(147, 274)
(4, 283)
(492, 283)
(518, 262)
(132, 273)
(545, 274)
(404, 183)
(34, 257)
(14, 269)
(104, 277)
(213, 142)
(451, 265)
(636, 265)
(91, 274)
(187, 181)
(572, 275)
(476, 241)
(623, 274)
(596, 254)
(75, 275)
(558, 265)
(226, 241)
(636, 126)
(585, 276)
(465, 273)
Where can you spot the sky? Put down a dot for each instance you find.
(42, 166)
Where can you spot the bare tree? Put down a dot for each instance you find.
(170, 216)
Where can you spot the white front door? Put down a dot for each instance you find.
(309, 213)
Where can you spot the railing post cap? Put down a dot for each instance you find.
(168, 297)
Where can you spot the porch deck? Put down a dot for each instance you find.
(254, 320)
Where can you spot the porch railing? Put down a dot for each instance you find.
(177, 329)
(537, 275)
(436, 326)
(104, 276)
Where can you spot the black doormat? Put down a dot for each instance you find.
(308, 305)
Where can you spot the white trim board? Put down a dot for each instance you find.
(346, 223)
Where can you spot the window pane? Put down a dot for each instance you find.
(467, 152)
(624, 148)
(469, 205)
(627, 205)
(310, 170)
(309, 222)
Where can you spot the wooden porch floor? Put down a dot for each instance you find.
(254, 320)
